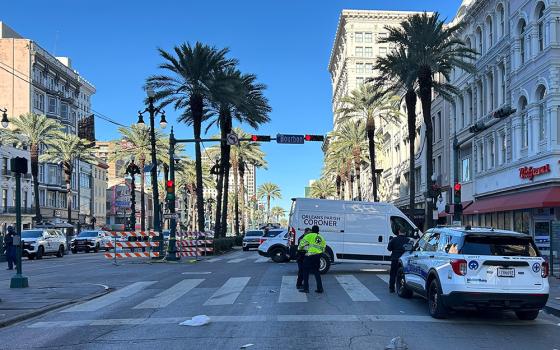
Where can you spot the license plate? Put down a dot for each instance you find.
(506, 272)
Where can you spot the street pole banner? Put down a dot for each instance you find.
(131, 255)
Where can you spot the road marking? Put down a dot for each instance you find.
(355, 289)
(384, 278)
(229, 292)
(214, 259)
(196, 273)
(101, 302)
(233, 261)
(170, 295)
(262, 259)
(289, 292)
(288, 318)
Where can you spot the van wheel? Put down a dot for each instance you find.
(435, 301)
(402, 289)
(278, 255)
(60, 252)
(40, 252)
(324, 264)
(527, 315)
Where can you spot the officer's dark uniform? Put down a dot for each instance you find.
(10, 247)
(300, 256)
(396, 247)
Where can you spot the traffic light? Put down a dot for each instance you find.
(314, 138)
(504, 112)
(457, 195)
(170, 188)
(261, 138)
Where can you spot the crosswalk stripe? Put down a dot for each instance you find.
(111, 298)
(229, 292)
(214, 259)
(384, 278)
(170, 295)
(355, 289)
(262, 259)
(288, 291)
(233, 261)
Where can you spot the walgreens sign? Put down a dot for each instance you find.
(529, 173)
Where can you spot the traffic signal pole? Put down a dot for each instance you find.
(170, 198)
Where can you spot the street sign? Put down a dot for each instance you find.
(232, 139)
(290, 139)
(122, 204)
(170, 216)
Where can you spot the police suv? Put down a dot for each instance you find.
(464, 267)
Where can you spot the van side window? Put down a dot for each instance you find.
(402, 225)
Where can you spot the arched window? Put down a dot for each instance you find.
(479, 39)
(490, 28)
(541, 93)
(522, 27)
(468, 43)
(501, 20)
(524, 122)
(540, 25)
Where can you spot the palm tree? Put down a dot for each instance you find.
(437, 50)
(33, 130)
(323, 189)
(185, 180)
(350, 138)
(269, 191)
(191, 84)
(277, 213)
(368, 103)
(135, 146)
(338, 169)
(66, 149)
(397, 74)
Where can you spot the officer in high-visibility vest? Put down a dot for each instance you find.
(314, 245)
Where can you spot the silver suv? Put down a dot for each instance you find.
(92, 240)
(40, 242)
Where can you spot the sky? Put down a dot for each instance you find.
(286, 43)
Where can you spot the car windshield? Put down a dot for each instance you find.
(254, 234)
(31, 234)
(88, 234)
(499, 246)
(272, 233)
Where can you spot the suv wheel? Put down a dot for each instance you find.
(278, 255)
(402, 289)
(60, 252)
(527, 315)
(40, 252)
(74, 251)
(31, 256)
(324, 263)
(435, 301)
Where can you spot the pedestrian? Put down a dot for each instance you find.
(396, 247)
(300, 256)
(314, 246)
(10, 247)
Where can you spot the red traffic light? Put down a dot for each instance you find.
(262, 138)
(457, 187)
(314, 138)
(254, 137)
(170, 183)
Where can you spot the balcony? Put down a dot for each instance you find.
(12, 210)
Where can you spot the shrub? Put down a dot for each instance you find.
(223, 244)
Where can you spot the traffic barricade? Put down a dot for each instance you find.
(131, 245)
(194, 244)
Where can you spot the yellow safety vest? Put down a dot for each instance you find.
(312, 244)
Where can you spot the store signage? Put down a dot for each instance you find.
(529, 172)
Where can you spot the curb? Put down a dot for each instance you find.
(552, 310)
(12, 320)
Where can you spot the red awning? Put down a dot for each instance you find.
(543, 198)
(443, 214)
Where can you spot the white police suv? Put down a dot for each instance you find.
(464, 267)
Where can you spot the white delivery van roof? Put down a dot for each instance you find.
(345, 207)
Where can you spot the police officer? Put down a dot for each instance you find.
(10, 247)
(314, 245)
(396, 247)
(300, 255)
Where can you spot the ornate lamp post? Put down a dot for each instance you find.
(133, 169)
(5, 120)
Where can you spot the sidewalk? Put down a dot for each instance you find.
(20, 304)
(553, 305)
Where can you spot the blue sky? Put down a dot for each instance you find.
(287, 43)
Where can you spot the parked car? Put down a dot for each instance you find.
(276, 247)
(480, 268)
(40, 242)
(356, 232)
(251, 239)
(92, 240)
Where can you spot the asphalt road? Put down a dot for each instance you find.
(253, 301)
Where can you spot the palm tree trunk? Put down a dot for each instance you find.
(242, 192)
(425, 84)
(357, 169)
(351, 187)
(224, 116)
(197, 111)
(142, 196)
(267, 208)
(235, 167)
(68, 180)
(410, 100)
(34, 155)
(338, 183)
(371, 146)
(225, 169)
(166, 172)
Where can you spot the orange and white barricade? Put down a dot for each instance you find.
(131, 245)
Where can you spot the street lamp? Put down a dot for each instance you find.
(153, 111)
(5, 121)
(132, 169)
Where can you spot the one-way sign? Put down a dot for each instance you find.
(291, 139)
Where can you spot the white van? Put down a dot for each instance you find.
(355, 232)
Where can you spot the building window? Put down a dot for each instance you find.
(359, 68)
(438, 165)
(359, 37)
(480, 39)
(5, 200)
(41, 173)
(503, 148)
(51, 199)
(439, 126)
(383, 35)
(503, 83)
(524, 122)
(383, 51)
(359, 51)
(480, 95)
(4, 166)
(491, 91)
(541, 27)
(522, 27)
(52, 105)
(466, 169)
(368, 37)
(368, 52)
(359, 81)
(368, 68)
(64, 110)
(542, 120)
(52, 179)
(481, 157)
(42, 199)
(491, 153)
(24, 200)
(398, 153)
(502, 20)
(417, 178)
(490, 26)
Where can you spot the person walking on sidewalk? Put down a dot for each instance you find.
(300, 256)
(10, 247)
(314, 246)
